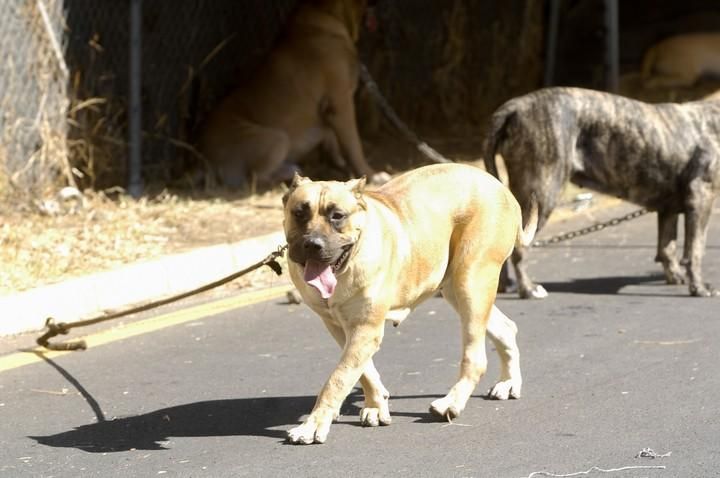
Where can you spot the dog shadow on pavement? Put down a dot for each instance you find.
(262, 416)
(230, 417)
(613, 285)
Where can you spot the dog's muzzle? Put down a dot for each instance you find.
(322, 262)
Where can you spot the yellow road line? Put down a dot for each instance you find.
(18, 359)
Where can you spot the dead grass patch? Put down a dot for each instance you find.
(101, 232)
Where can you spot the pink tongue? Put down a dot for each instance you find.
(321, 277)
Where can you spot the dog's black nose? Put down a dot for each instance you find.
(314, 244)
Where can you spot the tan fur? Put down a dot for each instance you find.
(301, 97)
(448, 227)
(681, 60)
(714, 96)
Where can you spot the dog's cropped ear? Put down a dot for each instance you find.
(296, 181)
(357, 186)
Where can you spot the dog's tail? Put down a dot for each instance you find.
(526, 233)
(496, 135)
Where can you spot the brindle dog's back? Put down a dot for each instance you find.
(664, 156)
(619, 146)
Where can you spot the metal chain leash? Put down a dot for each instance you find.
(372, 87)
(566, 236)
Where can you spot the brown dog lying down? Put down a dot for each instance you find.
(681, 60)
(665, 157)
(360, 257)
(300, 97)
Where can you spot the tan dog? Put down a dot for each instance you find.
(681, 60)
(301, 97)
(360, 257)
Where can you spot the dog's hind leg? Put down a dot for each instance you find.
(506, 283)
(667, 247)
(471, 292)
(331, 146)
(268, 156)
(255, 151)
(339, 114)
(697, 217)
(502, 331)
(527, 289)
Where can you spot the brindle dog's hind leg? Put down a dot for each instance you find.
(667, 247)
(527, 289)
(697, 217)
(506, 284)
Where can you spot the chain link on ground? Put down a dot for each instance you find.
(566, 236)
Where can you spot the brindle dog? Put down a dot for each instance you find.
(665, 157)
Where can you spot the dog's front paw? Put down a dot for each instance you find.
(373, 417)
(446, 407)
(505, 389)
(312, 431)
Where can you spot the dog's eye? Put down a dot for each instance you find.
(337, 216)
(301, 212)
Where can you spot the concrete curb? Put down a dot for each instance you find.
(90, 295)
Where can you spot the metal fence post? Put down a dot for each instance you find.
(551, 55)
(612, 46)
(135, 180)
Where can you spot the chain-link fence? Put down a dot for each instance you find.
(33, 100)
(193, 52)
(65, 75)
(443, 65)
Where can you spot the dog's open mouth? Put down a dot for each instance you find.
(321, 275)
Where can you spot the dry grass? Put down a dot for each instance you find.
(33, 146)
(77, 237)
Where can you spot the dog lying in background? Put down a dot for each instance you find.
(665, 157)
(300, 97)
(715, 95)
(681, 60)
(360, 257)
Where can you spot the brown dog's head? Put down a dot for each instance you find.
(349, 12)
(322, 222)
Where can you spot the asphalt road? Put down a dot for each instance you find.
(614, 362)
